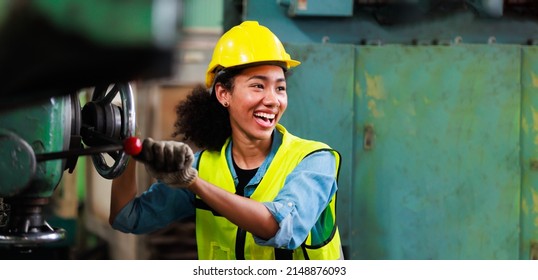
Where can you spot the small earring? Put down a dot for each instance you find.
(226, 104)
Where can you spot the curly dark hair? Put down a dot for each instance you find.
(202, 119)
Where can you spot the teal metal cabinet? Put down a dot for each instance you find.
(442, 179)
(439, 145)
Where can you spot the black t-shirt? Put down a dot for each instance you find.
(244, 176)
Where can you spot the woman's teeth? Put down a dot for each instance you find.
(265, 116)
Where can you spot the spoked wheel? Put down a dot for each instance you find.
(105, 123)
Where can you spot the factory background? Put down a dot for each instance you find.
(431, 104)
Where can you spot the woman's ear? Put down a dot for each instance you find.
(222, 95)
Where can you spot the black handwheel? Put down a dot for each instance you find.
(104, 123)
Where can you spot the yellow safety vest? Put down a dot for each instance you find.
(219, 239)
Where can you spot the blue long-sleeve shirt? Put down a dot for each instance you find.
(306, 192)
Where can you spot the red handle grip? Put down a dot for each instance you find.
(132, 146)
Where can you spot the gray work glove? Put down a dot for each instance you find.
(168, 161)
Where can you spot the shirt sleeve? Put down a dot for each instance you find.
(156, 208)
(306, 193)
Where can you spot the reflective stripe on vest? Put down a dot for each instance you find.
(218, 238)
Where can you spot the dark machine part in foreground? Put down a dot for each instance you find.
(54, 48)
(49, 52)
(38, 157)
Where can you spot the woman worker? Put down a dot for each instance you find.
(256, 190)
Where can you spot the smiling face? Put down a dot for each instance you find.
(257, 101)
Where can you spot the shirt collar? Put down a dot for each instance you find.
(277, 141)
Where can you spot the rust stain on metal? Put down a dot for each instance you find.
(375, 88)
(373, 108)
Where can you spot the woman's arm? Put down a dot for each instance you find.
(305, 195)
(246, 213)
(153, 209)
(288, 219)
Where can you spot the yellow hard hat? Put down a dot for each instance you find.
(244, 44)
